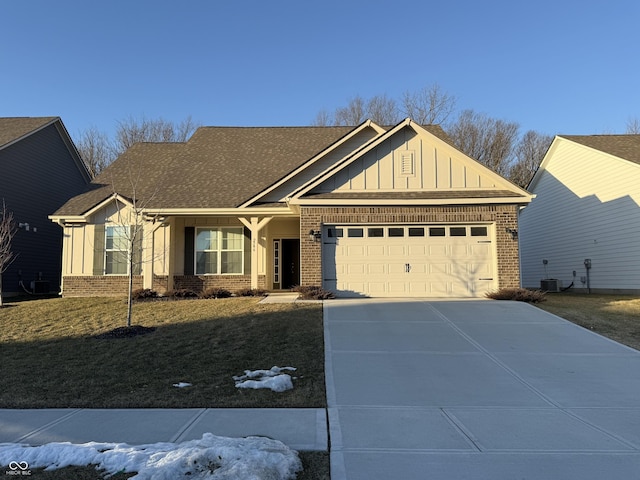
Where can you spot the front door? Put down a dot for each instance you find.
(290, 263)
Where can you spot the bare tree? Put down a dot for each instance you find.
(428, 106)
(383, 110)
(633, 126)
(529, 153)
(96, 150)
(486, 139)
(132, 130)
(323, 119)
(8, 230)
(353, 114)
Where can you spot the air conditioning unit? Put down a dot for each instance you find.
(551, 285)
(40, 286)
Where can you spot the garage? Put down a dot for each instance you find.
(409, 260)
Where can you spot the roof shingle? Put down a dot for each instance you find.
(13, 128)
(626, 147)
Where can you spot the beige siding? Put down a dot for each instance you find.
(284, 191)
(433, 165)
(587, 206)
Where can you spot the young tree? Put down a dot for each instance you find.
(8, 229)
(633, 126)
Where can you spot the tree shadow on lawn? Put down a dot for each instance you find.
(139, 371)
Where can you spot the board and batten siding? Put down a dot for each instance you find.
(285, 190)
(408, 161)
(587, 205)
(39, 174)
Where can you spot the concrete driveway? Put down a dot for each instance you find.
(476, 389)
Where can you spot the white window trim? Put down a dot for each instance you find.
(218, 251)
(106, 250)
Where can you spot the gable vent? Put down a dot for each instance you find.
(407, 166)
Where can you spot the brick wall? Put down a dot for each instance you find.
(504, 216)
(99, 285)
(199, 283)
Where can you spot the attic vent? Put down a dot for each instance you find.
(407, 167)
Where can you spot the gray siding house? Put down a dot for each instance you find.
(40, 169)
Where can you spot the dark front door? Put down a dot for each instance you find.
(290, 262)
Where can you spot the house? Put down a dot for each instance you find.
(361, 211)
(40, 169)
(583, 227)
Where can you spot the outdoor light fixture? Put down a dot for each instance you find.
(514, 233)
(315, 235)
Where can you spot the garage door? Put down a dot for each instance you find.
(409, 260)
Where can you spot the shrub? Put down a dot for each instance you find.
(143, 294)
(518, 294)
(181, 293)
(215, 292)
(251, 292)
(313, 293)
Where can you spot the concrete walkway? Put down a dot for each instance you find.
(300, 429)
(476, 389)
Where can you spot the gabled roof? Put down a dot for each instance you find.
(626, 147)
(218, 167)
(13, 129)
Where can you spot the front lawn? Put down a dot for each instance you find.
(613, 316)
(50, 356)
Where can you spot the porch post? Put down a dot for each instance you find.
(254, 225)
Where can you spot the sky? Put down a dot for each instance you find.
(554, 66)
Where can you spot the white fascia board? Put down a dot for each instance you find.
(111, 198)
(63, 220)
(350, 158)
(545, 160)
(414, 202)
(235, 212)
(313, 160)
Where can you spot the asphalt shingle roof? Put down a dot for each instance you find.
(219, 167)
(13, 128)
(623, 146)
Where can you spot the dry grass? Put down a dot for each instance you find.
(615, 317)
(50, 357)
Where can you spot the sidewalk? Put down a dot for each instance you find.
(300, 428)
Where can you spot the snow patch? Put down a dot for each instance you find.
(273, 379)
(211, 457)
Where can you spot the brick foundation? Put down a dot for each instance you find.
(99, 285)
(504, 216)
(199, 283)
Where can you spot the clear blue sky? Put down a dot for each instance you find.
(554, 66)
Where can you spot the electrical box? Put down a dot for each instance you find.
(551, 285)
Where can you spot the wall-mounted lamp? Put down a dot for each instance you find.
(514, 233)
(315, 235)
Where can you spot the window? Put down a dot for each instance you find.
(335, 232)
(478, 231)
(436, 232)
(219, 251)
(458, 231)
(416, 232)
(375, 232)
(116, 251)
(396, 232)
(355, 232)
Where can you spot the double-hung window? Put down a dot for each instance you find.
(219, 251)
(116, 250)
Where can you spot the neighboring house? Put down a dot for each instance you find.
(366, 210)
(587, 208)
(40, 169)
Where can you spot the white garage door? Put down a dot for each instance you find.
(409, 260)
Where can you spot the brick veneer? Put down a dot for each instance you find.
(98, 285)
(199, 283)
(115, 285)
(504, 216)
